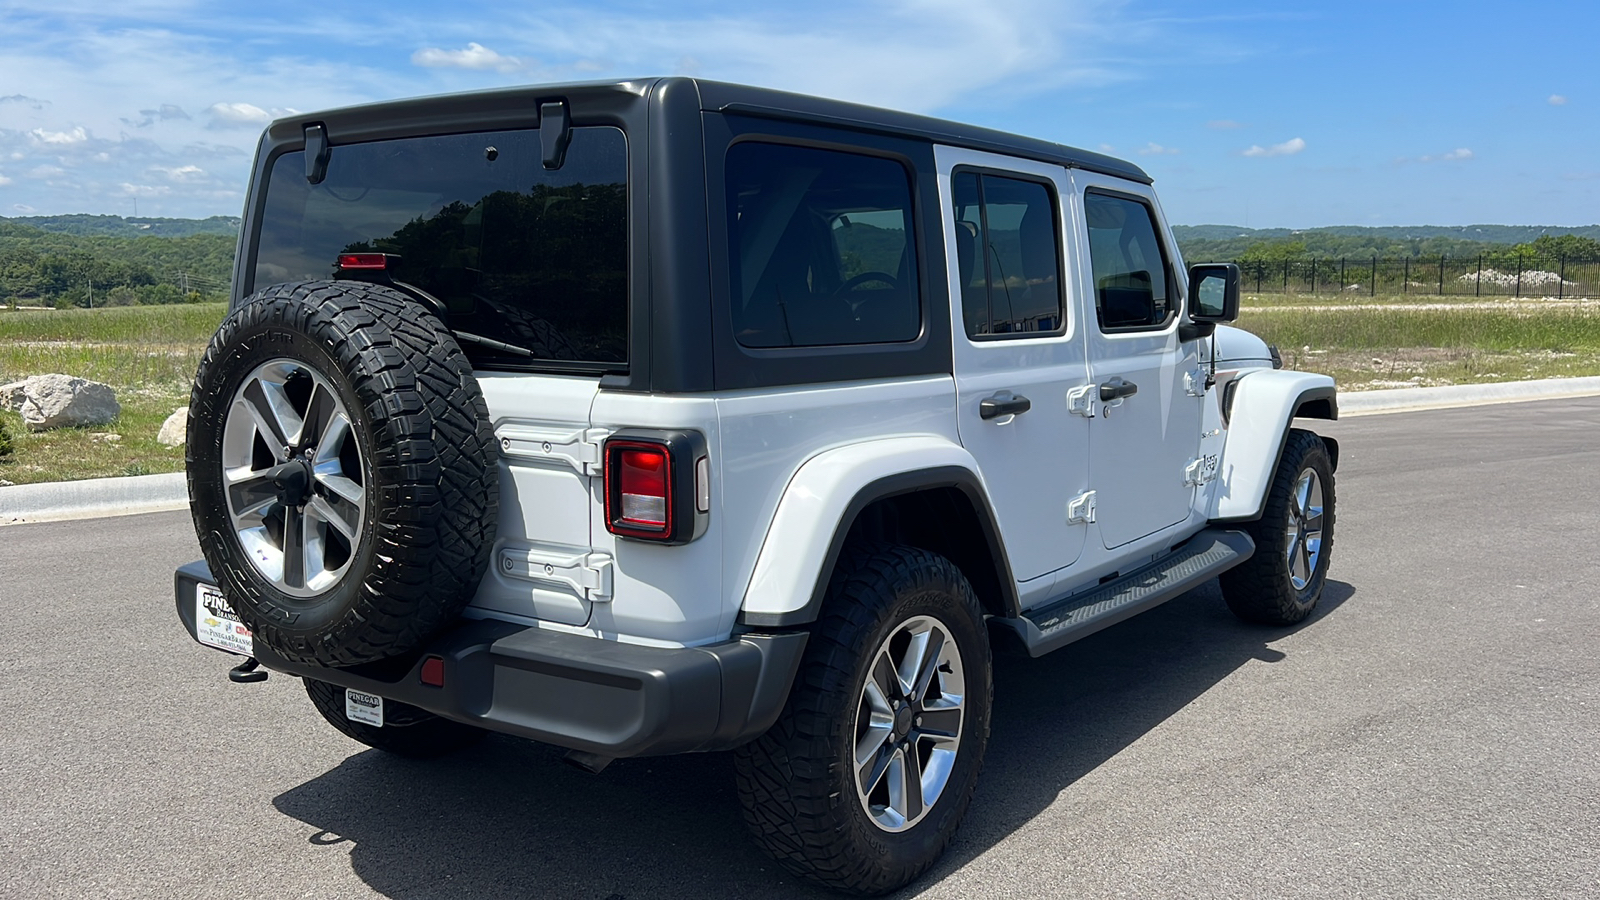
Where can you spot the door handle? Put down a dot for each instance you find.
(1115, 388)
(1003, 403)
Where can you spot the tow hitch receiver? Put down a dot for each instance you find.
(247, 672)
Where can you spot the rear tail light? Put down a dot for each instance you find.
(652, 491)
(644, 476)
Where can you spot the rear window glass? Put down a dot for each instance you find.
(517, 253)
(822, 248)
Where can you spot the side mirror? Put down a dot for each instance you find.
(1214, 293)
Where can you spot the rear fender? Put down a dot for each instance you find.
(1259, 407)
(821, 503)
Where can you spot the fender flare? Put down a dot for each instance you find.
(821, 503)
(1260, 407)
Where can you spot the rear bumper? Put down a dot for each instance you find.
(574, 691)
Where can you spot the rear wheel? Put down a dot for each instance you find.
(406, 730)
(1282, 582)
(868, 772)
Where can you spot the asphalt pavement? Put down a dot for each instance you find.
(1431, 732)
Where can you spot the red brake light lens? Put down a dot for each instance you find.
(367, 261)
(643, 479)
(639, 489)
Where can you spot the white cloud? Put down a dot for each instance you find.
(4, 181)
(144, 190)
(1460, 153)
(1107, 148)
(1155, 149)
(474, 56)
(238, 114)
(189, 173)
(1557, 100)
(1287, 148)
(44, 172)
(24, 208)
(75, 136)
(1223, 125)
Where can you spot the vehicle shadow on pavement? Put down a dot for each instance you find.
(509, 819)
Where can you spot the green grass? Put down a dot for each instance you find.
(148, 354)
(1394, 344)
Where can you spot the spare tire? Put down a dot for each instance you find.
(342, 471)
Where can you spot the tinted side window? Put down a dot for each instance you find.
(1131, 287)
(518, 253)
(821, 246)
(1007, 250)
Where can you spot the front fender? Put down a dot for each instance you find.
(820, 503)
(1259, 406)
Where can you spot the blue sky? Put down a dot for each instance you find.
(1266, 114)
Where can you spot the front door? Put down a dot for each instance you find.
(1145, 438)
(1019, 352)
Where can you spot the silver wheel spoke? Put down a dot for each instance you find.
(273, 414)
(884, 675)
(927, 664)
(327, 512)
(1313, 520)
(872, 770)
(294, 548)
(909, 770)
(911, 663)
(249, 493)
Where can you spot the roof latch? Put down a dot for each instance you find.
(318, 150)
(555, 133)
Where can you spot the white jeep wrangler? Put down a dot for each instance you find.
(666, 416)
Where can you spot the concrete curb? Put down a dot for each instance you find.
(101, 497)
(1365, 403)
(92, 499)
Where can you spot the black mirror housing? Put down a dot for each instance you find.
(1214, 292)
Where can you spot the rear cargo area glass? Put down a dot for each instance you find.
(517, 253)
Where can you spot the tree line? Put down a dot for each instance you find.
(59, 269)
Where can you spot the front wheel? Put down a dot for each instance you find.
(1282, 582)
(868, 772)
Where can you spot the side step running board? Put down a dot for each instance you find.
(1059, 624)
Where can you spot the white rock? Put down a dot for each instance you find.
(175, 430)
(11, 396)
(5, 483)
(62, 401)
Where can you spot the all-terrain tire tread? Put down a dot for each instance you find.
(1258, 590)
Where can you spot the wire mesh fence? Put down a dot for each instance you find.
(1515, 275)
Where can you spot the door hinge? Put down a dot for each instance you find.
(1194, 382)
(586, 574)
(1081, 400)
(1200, 470)
(1080, 509)
(578, 449)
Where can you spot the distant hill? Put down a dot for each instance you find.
(59, 266)
(1232, 242)
(117, 226)
(1490, 234)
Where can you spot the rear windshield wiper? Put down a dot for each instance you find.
(493, 344)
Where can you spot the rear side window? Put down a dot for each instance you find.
(822, 247)
(1132, 289)
(1008, 253)
(519, 254)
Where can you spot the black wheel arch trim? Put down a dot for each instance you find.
(1324, 404)
(900, 483)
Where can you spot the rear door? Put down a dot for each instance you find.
(1019, 353)
(1145, 439)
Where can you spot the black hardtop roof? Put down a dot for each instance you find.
(716, 96)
